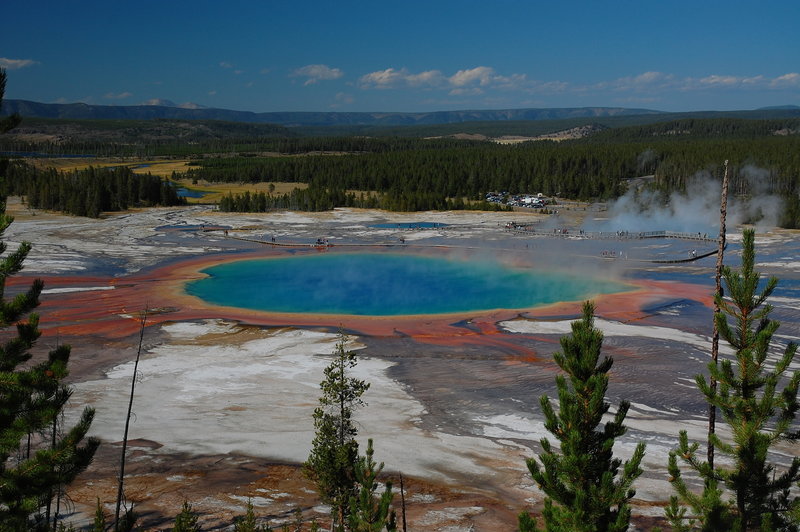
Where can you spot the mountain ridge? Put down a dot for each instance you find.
(80, 111)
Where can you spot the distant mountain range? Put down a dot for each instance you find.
(82, 111)
(780, 108)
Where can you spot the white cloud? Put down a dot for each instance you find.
(715, 80)
(481, 75)
(552, 87)
(517, 82)
(117, 96)
(383, 79)
(755, 80)
(648, 77)
(646, 81)
(229, 66)
(791, 79)
(15, 64)
(472, 81)
(344, 98)
(648, 86)
(430, 78)
(163, 102)
(393, 78)
(471, 91)
(316, 73)
(341, 99)
(467, 81)
(653, 81)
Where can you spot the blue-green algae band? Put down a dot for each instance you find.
(386, 284)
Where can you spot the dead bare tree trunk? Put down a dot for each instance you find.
(723, 211)
(403, 501)
(142, 321)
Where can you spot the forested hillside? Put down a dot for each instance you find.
(173, 137)
(90, 192)
(108, 138)
(418, 177)
(405, 173)
(702, 128)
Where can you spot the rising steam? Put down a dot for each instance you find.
(697, 210)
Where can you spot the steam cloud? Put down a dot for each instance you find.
(698, 209)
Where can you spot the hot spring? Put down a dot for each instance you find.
(387, 284)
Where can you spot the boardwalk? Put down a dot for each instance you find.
(608, 235)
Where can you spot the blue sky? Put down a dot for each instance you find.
(381, 55)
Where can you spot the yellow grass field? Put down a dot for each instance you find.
(215, 191)
(164, 168)
(160, 167)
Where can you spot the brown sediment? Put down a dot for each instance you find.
(219, 487)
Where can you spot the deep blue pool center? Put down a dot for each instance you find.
(387, 284)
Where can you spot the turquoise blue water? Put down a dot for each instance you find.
(186, 193)
(386, 284)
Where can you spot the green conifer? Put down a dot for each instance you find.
(186, 520)
(248, 523)
(334, 449)
(99, 523)
(368, 513)
(585, 489)
(9, 122)
(32, 398)
(750, 493)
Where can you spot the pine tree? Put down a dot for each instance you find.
(10, 122)
(758, 414)
(99, 523)
(32, 397)
(585, 489)
(368, 514)
(248, 523)
(186, 520)
(334, 449)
